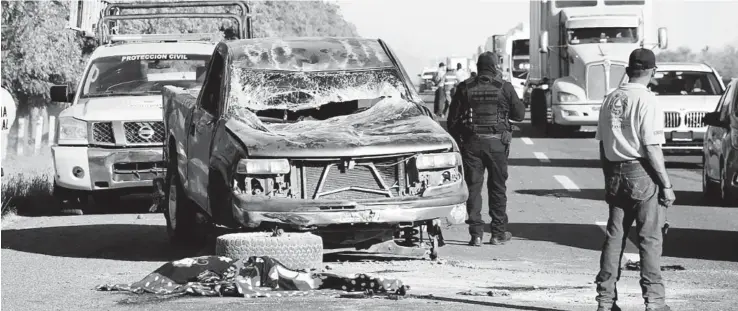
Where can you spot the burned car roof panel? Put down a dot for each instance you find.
(308, 54)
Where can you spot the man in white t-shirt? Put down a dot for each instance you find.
(637, 187)
(461, 74)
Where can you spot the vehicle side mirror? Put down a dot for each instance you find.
(663, 39)
(61, 93)
(543, 42)
(713, 119)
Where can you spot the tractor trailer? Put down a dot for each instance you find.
(579, 52)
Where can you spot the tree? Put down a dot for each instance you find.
(37, 49)
(724, 60)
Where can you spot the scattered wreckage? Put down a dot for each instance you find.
(323, 136)
(110, 139)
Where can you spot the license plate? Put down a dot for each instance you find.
(681, 136)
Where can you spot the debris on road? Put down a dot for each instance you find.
(252, 277)
(491, 293)
(636, 266)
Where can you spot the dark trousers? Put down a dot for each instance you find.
(632, 196)
(480, 153)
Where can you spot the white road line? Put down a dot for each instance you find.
(526, 140)
(567, 183)
(541, 157)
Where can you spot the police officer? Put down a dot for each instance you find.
(479, 120)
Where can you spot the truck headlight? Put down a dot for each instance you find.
(437, 160)
(565, 97)
(263, 166)
(72, 131)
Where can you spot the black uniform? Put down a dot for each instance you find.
(479, 120)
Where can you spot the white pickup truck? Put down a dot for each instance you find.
(111, 137)
(110, 141)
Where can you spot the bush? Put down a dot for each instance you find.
(724, 60)
(27, 194)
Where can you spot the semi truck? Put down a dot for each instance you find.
(515, 58)
(579, 52)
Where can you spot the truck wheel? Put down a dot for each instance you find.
(296, 251)
(538, 114)
(180, 212)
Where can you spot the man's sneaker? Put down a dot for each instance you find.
(475, 241)
(605, 308)
(662, 308)
(500, 239)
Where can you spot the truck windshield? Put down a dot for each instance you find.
(574, 3)
(142, 74)
(274, 91)
(521, 47)
(685, 83)
(602, 35)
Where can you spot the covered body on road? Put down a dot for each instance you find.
(317, 134)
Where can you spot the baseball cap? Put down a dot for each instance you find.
(642, 59)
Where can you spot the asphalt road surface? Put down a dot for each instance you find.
(557, 217)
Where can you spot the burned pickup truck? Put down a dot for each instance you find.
(310, 134)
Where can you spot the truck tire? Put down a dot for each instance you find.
(538, 109)
(297, 251)
(180, 213)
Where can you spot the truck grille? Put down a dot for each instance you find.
(367, 185)
(102, 133)
(144, 133)
(694, 119)
(596, 87)
(672, 119)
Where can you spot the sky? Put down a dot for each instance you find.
(421, 31)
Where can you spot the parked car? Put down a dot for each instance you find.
(426, 80)
(720, 155)
(344, 149)
(686, 92)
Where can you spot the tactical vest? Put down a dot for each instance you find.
(490, 112)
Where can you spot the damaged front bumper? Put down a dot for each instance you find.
(448, 203)
(92, 169)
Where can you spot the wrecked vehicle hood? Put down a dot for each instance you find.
(391, 126)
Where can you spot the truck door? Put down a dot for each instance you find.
(201, 129)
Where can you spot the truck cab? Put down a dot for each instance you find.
(109, 141)
(583, 49)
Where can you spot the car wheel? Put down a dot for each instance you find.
(709, 187)
(296, 251)
(726, 193)
(179, 212)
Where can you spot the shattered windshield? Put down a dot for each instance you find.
(143, 74)
(295, 95)
(602, 35)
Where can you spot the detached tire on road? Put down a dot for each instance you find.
(297, 251)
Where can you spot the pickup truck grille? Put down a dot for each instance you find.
(672, 119)
(694, 119)
(144, 133)
(102, 133)
(366, 184)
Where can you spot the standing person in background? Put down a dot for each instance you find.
(461, 74)
(479, 120)
(440, 94)
(637, 187)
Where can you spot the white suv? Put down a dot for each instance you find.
(686, 92)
